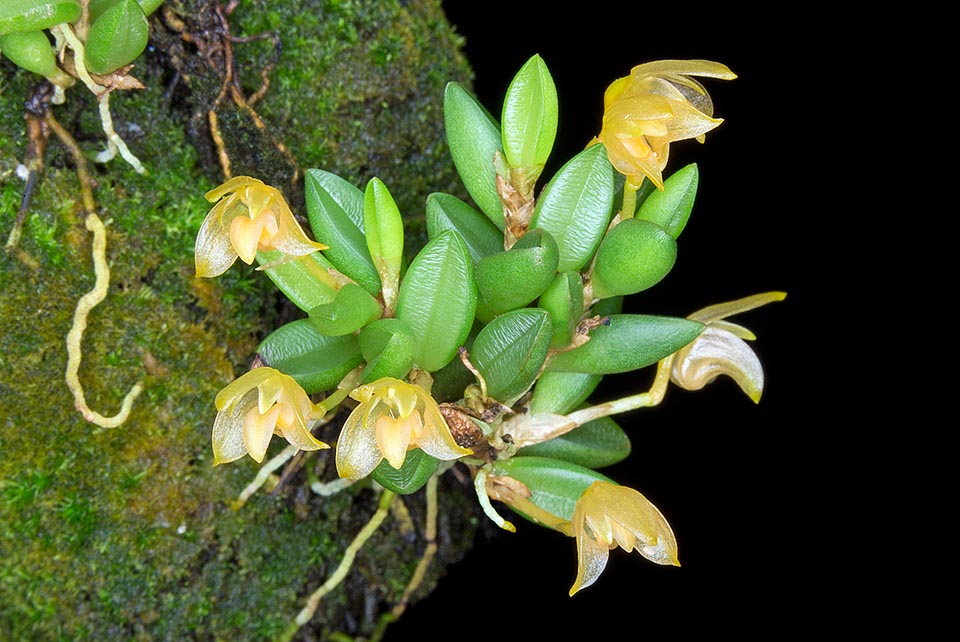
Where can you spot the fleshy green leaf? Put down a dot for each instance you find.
(563, 299)
(416, 470)
(474, 140)
(18, 16)
(555, 485)
(97, 7)
(383, 227)
(511, 279)
(352, 309)
(671, 207)
(575, 206)
(335, 212)
(560, 392)
(529, 118)
(318, 362)
(447, 212)
(438, 300)
(510, 350)
(595, 444)
(116, 38)
(387, 347)
(306, 281)
(634, 255)
(630, 342)
(30, 50)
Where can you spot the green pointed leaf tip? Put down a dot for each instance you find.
(19, 16)
(306, 281)
(634, 256)
(316, 361)
(516, 277)
(630, 342)
(560, 392)
(383, 226)
(555, 484)
(335, 211)
(116, 38)
(447, 212)
(595, 444)
(576, 205)
(670, 208)
(413, 475)
(563, 299)
(473, 137)
(529, 118)
(510, 350)
(352, 309)
(387, 347)
(438, 300)
(30, 50)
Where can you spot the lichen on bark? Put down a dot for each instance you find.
(127, 533)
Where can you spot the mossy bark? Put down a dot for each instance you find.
(127, 533)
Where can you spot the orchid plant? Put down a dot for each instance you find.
(484, 350)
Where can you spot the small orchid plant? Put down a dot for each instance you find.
(483, 351)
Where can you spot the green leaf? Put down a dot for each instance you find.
(306, 281)
(563, 299)
(575, 206)
(335, 212)
(555, 485)
(438, 300)
(630, 342)
(413, 475)
(97, 7)
(383, 227)
(595, 444)
(30, 50)
(318, 362)
(560, 392)
(352, 309)
(474, 140)
(530, 117)
(447, 212)
(450, 381)
(18, 16)
(671, 207)
(116, 38)
(510, 350)
(607, 307)
(634, 255)
(387, 347)
(511, 279)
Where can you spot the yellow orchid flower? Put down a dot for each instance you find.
(608, 515)
(392, 418)
(261, 403)
(248, 216)
(657, 104)
(722, 349)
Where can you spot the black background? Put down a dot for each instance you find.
(734, 479)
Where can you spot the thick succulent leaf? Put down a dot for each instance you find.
(18, 16)
(450, 381)
(529, 117)
(116, 38)
(438, 300)
(607, 307)
(516, 277)
(413, 474)
(474, 140)
(97, 7)
(383, 228)
(563, 299)
(510, 350)
(306, 281)
(595, 444)
(447, 212)
(670, 208)
(560, 392)
(318, 362)
(387, 347)
(575, 206)
(335, 211)
(634, 256)
(352, 309)
(555, 485)
(629, 342)
(30, 50)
